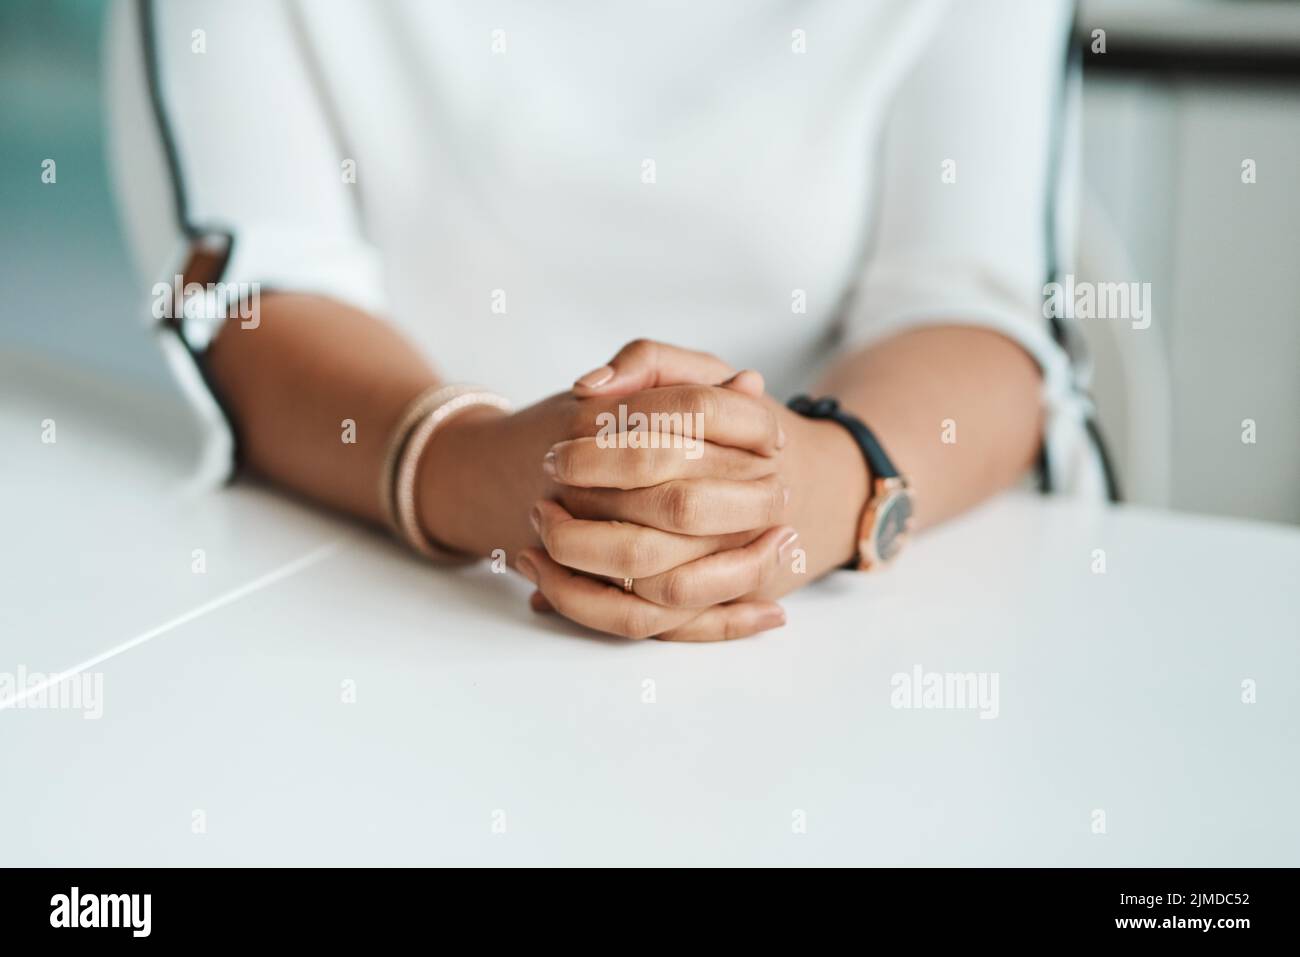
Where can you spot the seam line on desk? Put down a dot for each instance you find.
(257, 584)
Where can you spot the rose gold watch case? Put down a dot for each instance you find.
(885, 495)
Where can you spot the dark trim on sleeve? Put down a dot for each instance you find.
(149, 47)
(1055, 165)
(1069, 343)
(1107, 466)
(192, 231)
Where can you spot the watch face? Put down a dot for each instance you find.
(891, 524)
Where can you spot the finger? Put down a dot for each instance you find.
(683, 415)
(616, 549)
(537, 601)
(645, 364)
(686, 506)
(720, 577)
(725, 622)
(620, 462)
(597, 604)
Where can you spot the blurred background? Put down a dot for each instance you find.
(1185, 92)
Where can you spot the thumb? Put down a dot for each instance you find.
(747, 382)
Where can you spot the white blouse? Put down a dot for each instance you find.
(523, 187)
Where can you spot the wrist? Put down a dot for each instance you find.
(449, 482)
(830, 490)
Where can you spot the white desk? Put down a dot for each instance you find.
(1119, 691)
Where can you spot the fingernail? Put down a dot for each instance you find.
(548, 463)
(772, 618)
(596, 377)
(535, 516)
(527, 568)
(787, 543)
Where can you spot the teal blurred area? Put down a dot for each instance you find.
(68, 290)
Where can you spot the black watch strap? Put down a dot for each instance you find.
(828, 407)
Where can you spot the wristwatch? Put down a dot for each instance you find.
(887, 516)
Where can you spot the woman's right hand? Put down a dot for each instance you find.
(482, 472)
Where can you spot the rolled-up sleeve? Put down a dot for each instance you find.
(968, 176)
(217, 126)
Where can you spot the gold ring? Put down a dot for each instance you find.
(627, 584)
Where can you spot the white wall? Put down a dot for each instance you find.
(1164, 159)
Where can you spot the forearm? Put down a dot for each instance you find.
(959, 411)
(958, 407)
(316, 391)
(294, 383)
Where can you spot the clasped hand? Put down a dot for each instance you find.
(691, 510)
(705, 529)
